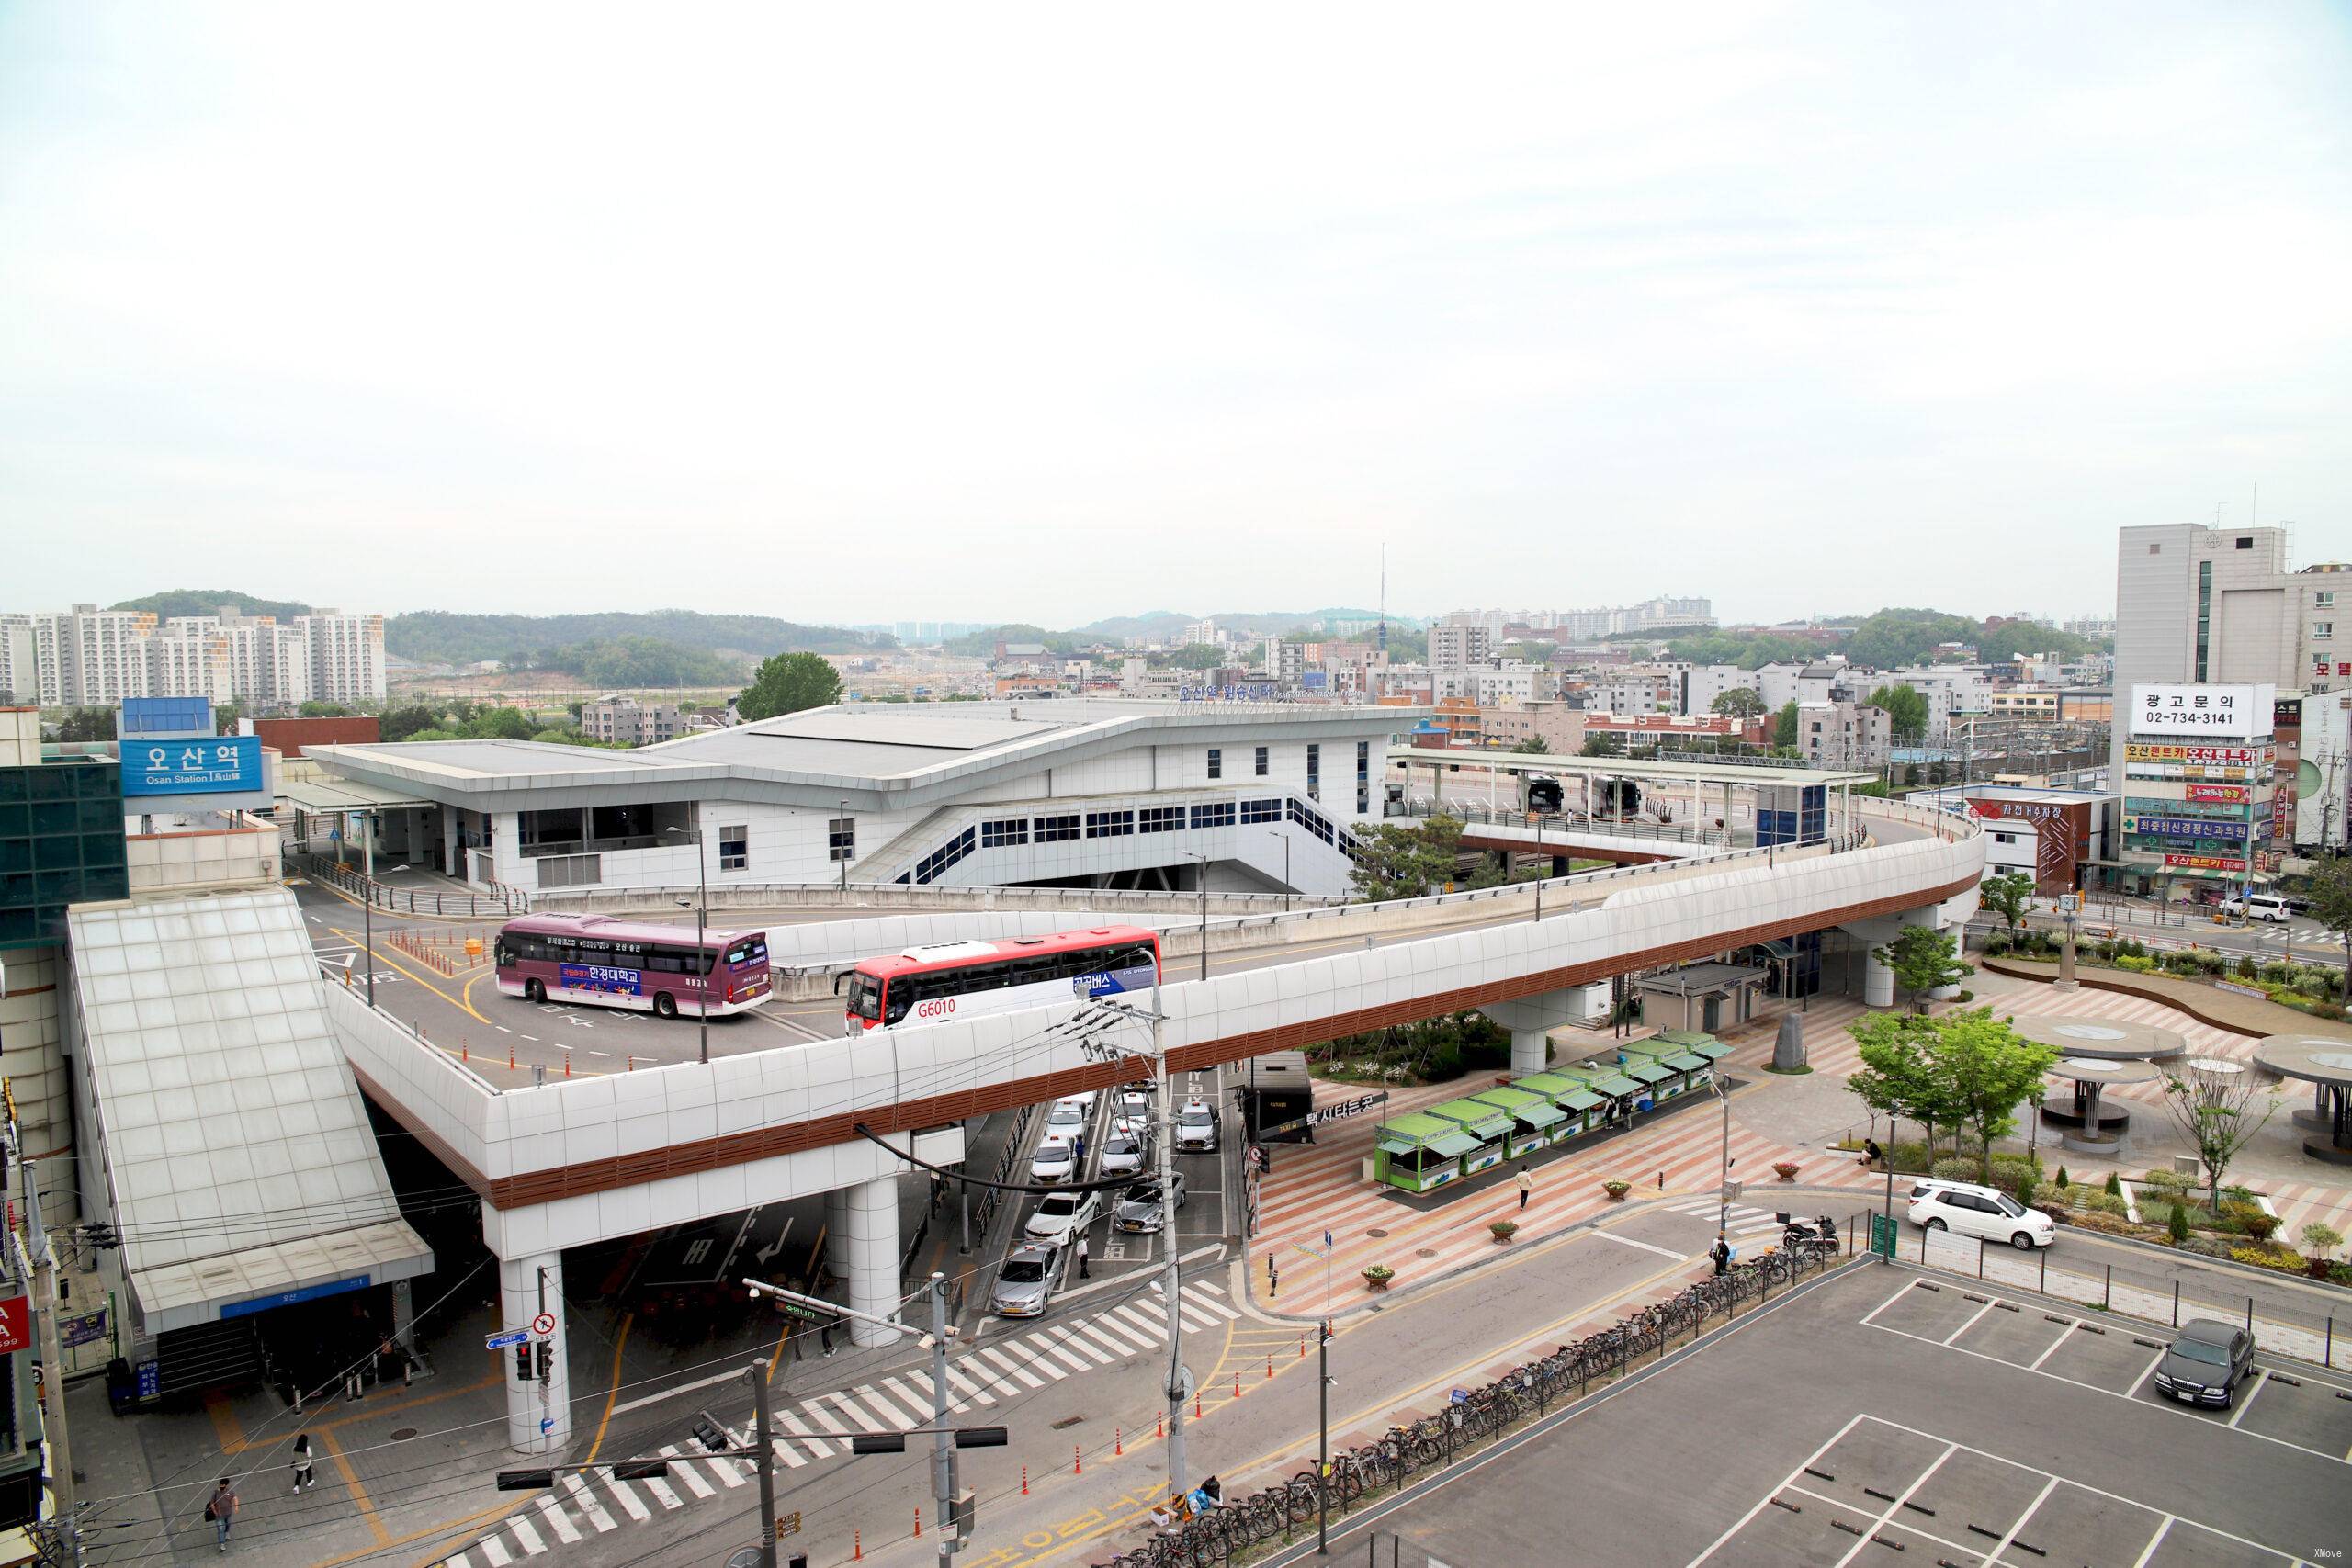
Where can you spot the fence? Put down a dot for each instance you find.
(984, 1212)
(500, 901)
(1473, 1418)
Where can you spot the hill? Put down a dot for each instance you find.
(1162, 626)
(208, 602)
(445, 637)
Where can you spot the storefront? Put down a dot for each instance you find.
(1535, 1121)
(1569, 1096)
(1691, 1072)
(1419, 1154)
(1489, 1124)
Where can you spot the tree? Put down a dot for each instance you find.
(1404, 862)
(1533, 746)
(2331, 896)
(498, 724)
(1987, 1070)
(2007, 895)
(1896, 1078)
(87, 724)
(1741, 702)
(2220, 1106)
(325, 710)
(1924, 959)
(1603, 745)
(1784, 729)
(1906, 709)
(788, 683)
(403, 723)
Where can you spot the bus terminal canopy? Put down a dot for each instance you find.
(1623, 768)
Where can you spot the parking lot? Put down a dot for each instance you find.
(1886, 1417)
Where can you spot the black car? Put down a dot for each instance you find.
(2208, 1359)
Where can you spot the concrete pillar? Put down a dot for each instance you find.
(874, 1257)
(1527, 1050)
(450, 859)
(404, 1315)
(837, 1233)
(539, 1413)
(1878, 980)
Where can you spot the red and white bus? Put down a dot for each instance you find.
(960, 979)
(624, 964)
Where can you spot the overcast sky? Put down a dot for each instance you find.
(1016, 313)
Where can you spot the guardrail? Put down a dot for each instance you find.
(498, 903)
(1474, 1418)
(2089, 930)
(1562, 821)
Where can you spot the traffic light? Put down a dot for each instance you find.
(964, 1514)
(523, 1364)
(979, 1436)
(640, 1469)
(877, 1443)
(710, 1434)
(524, 1480)
(547, 1359)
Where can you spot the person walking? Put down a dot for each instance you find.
(302, 1476)
(1721, 1253)
(223, 1511)
(1081, 1257)
(1274, 1280)
(1526, 1186)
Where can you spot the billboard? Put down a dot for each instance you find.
(2233, 712)
(2192, 828)
(2207, 756)
(2220, 794)
(230, 764)
(2204, 863)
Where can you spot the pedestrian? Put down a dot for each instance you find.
(223, 1511)
(1526, 1186)
(1721, 1253)
(1871, 1153)
(1274, 1280)
(302, 1476)
(825, 1336)
(391, 1361)
(1081, 1256)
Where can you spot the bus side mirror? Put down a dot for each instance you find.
(839, 978)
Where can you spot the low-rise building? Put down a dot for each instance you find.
(1844, 735)
(625, 721)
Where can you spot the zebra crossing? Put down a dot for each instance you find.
(818, 1427)
(1743, 1222)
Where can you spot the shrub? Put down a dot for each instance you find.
(2107, 1225)
(2103, 1203)
(2321, 1239)
(1951, 1170)
(2269, 1257)
(2136, 963)
(1996, 944)
(2063, 1182)
(2207, 1246)
(2278, 973)
(1967, 996)
(2025, 1185)
(2260, 1225)
(2340, 1274)
(2247, 968)
(2114, 1186)
(2176, 1226)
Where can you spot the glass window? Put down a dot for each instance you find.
(1162, 819)
(734, 847)
(1262, 810)
(1219, 815)
(1004, 835)
(2323, 600)
(2323, 630)
(841, 838)
(1260, 762)
(1110, 824)
(1216, 763)
(1056, 829)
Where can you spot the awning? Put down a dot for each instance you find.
(1396, 1146)
(1683, 1062)
(1582, 1099)
(1646, 1072)
(1543, 1113)
(1615, 1084)
(236, 1284)
(326, 797)
(1454, 1145)
(1698, 1044)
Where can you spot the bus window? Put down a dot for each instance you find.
(896, 1001)
(865, 997)
(506, 955)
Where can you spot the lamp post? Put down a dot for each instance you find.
(1286, 886)
(367, 913)
(848, 844)
(703, 965)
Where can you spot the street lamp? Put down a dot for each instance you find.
(703, 965)
(843, 852)
(1276, 833)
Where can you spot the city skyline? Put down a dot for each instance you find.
(1770, 291)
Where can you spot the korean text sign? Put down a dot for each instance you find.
(228, 765)
(2235, 712)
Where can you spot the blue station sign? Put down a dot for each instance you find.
(229, 765)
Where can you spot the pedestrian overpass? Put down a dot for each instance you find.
(576, 1161)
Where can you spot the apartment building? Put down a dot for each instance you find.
(1844, 735)
(628, 722)
(1459, 646)
(346, 656)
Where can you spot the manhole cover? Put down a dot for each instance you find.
(1376, 1233)
(1426, 1252)
(403, 1434)
(1067, 1421)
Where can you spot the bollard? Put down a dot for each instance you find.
(918, 1524)
(2106, 1297)
(2249, 1318)
(1270, 1365)
(1302, 1347)
(2176, 1303)
(510, 1057)
(1077, 1461)
(465, 1050)
(1661, 1181)
(2327, 1356)
(1196, 1404)
(567, 1064)
(1236, 1386)
(857, 1546)
(1024, 1481)
(632, 1064)
(1118, 1442)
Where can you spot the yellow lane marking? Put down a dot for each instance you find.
(428, 1533)
(358, 1493)
(411, 974)
(615, 1392)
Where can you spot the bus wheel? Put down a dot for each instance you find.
(534, 992)
(665, 1005)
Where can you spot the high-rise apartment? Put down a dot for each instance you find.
(346, 656)
(1459, 646)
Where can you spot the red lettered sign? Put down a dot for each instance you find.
(16, 1324)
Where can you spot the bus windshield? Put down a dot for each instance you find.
(865, 996)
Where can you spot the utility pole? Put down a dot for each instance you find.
(367, 917)
(765, 1438)
(943, 1439)
(1323, 1419)
(52, 1355)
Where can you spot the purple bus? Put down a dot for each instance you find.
(626, 964)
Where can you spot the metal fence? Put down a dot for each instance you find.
(502, 900)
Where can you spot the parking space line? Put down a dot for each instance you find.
(2035, 1365)
(1964, 1327)
(1906, 1285)
(2154, 1541)
(2261, 1376)
(1765, 1501)
(1908, 1525)
(2153, 1362)
(2033, 1507)
(1949, 1449)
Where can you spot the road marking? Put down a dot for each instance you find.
(1011, 1366)
(1046, 1340)
(565, 1530)
(956, 1376)
(2035, 1365)
(2154, 1541)
(1646, 1246)
(1093, 1334)
(627, 1499)
(1761, 1502)
(680, 1470)
(1899, 1290)
(799, 1428)
(593, 1510)
(1949, 1449)
(1964, 1327)
(528, 1537)
(492, 1552)
(2261, 1377)
(2032, 1509)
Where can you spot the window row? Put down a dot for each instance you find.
(1110, 824)
(937, 864)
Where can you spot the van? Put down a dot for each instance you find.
(2261, 906)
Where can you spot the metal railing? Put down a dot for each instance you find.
(1473, 1419)
(501, 901)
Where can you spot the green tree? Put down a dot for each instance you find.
(1742, 703)
(788, 683)
(1924, 959)
(1784, 729)
(1533, 746)
(1906, 709)
(1988, 1070)
(86, 725)
(403, 723)
(436, 733)
(1603, 745)
(2331, 896)
(2007, 895)
(498, 724)
(1395, 862)
(1897, 1079)
(2219, 1108)
(325, 710)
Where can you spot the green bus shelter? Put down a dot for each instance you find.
(1695, 1072)
(1490, 1124)
(1691, 1040)
(1420, 1153)
(1535, 1121)
(1568, 1095)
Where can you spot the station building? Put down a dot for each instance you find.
(1080, 793)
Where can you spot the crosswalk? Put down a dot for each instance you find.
(1743, 1222)
(819, 1425)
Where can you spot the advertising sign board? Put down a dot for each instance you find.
(2234, 712)
(16, 1324)
(2205, 863)
(2231, 756)
(2194, 827)
(2220, 794)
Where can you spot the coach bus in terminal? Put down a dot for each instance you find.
(623, 964)
(961, 979)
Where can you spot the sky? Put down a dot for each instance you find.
(1048, 313)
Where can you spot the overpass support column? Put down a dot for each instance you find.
(837, 1233)
(1527, 1050)
(539, 1412)
(873, 1256)
(1530, 1020)
(1878, 981)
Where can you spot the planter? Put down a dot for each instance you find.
(1786, 1170)
(1503, 1229)
(1616, 1190)
(1376, 1278)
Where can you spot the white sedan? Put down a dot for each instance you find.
(1125, 1153)
(1065, 1214)
(1196, 1126)
(1054, 1161)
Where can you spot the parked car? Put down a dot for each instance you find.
(1135, 1103)
(2208, 1359)
(1139, 1210)
(1025, 1285)
(1125, 1153)
(1054, 1160)
(1064, 1215)
(2269, 907)
(1986, 1213)
(1066, 1116)
(1196, 1127)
